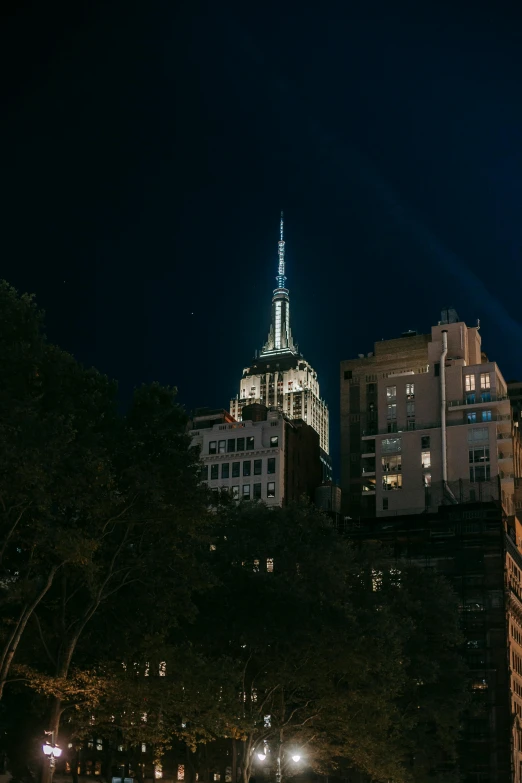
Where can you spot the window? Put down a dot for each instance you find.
(246, 467)
(391, 444)
(392, 426)
(411, 424)
(486, 415)
(472, 417)
(181, 772)
(391, 464)
(480, 454)
(214, 471)
(270, 489)
(225, 470)
(274, 440)
(426, 459)
(258, 467)
(436, 369)
(425, 442)
(485, 380)
(371, 388)
(391, 392)
(143, 747)
(231, 444)
(391, 411)
(235, 469)
(410, 391)
(204, 473)
(235, 493)
(410, 409)
(271, 465)
(391, 481)
(385, 504)
(257, 491)
(470, 398)
(427, 479)
(212, 447)
(479, 472)
(270, 564)
(246, 491)
(222, 446)
(469, 382)
(99, 744)
(485, 396)
(347, 375)
(240, 444)
(250, 443)
(478, 434)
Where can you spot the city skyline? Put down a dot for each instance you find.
(150, 245)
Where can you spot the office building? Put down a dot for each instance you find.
(426, 420)
(264, 457)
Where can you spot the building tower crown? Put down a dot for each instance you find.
(280, 338)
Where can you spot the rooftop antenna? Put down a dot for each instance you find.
(281, 279)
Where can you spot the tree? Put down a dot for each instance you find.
(331, 640)
(53, 414)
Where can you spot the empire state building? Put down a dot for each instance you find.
(279, 377)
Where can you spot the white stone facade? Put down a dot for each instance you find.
(245, 459)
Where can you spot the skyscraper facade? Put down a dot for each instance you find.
(279, 377)
(426, 420)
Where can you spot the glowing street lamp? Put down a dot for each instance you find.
(296, 757)
(52, 751)
(261, 756)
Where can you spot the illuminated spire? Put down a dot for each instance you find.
(281, 279)
(280, 336)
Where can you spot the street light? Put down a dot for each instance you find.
(52, 751)
(261, 756)
(296, 757)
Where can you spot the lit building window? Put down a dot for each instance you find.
(391, 392)
(181, 772)
(256, 565)
(222, 446)
(270, 564)
(270, 489)
(391, 481)
(485, 380)
(274, 440)
(410, 391)
(470, 383)
(246, 491)
(486, 416)
(163, 669)
(97, 767)
(217, 776)
(158, 771)
(392, 463)
(426, 459)
(427, 479)
(99, 744)
(212, 447)
(472, 417)
(143, 747)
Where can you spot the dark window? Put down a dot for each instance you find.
(392, 426)
(257, 491)
(231, 444)
(274, 440)
(436, 368)
(270, 489)
(240, 444)
(246, 467)
(214, 471)
(225, 470)
(385, 504)
(222, 445)
(246, 491)
(235, 469)
(271, 465)
(212, 447)
(258, 467)
(425, 441)
(204, 472)
(371, 388)
(250, 443)
(347, 375)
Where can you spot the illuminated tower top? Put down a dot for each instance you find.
(280, 338)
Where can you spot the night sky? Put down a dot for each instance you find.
(148, 148)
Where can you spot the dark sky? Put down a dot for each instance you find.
(148, 147)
